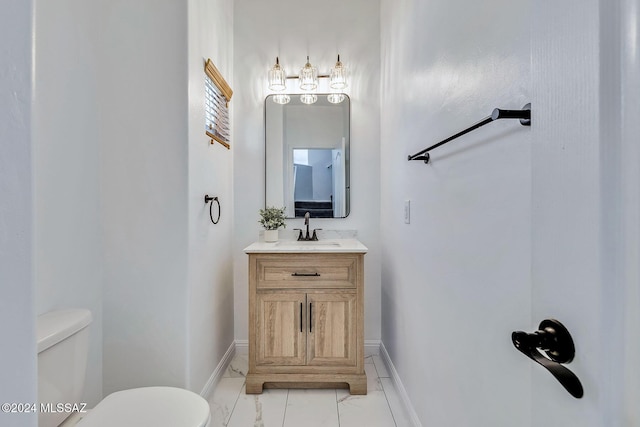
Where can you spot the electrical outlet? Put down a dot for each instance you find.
(407, 211)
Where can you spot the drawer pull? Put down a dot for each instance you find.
(305, 274)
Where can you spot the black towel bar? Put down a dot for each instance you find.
(525, 120)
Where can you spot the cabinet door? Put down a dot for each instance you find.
(280, 328)
(332, 332)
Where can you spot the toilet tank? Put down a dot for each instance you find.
(63, 346)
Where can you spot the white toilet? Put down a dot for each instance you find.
(63, 345)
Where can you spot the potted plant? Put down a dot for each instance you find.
(271, 219)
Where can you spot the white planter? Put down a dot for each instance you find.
(270, 235)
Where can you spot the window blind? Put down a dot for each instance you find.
(216, 105)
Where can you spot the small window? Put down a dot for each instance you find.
(216, 105)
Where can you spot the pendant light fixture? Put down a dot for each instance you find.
(308, 76)
(277, 79)
(338, 76)
(308, 82)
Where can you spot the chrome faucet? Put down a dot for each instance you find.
(307, 236)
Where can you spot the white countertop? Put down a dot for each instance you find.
(320, 246)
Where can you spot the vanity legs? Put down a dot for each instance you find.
(358, 385)
(253, 384)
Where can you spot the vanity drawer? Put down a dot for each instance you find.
(281, 271)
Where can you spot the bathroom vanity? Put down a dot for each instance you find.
(306, 315)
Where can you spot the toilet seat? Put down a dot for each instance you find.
(149, 406)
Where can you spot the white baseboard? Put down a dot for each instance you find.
(371, 347)
(218, 372)
(402, 392)
(242, 346)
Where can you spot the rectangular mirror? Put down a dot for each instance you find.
(307, 156)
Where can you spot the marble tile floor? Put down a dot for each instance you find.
(232, 407)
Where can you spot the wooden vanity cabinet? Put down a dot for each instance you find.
(306, 318)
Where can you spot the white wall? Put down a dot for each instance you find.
(627, 19)
(144, 199)
(17, 309)
(292, 30)
(566, 223)
(456, 281)
(121, 167)
(66, 155)
(586, 196)
(210, 293)
(546, 227)
(168, 271)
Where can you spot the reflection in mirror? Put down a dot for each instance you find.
(307, 157)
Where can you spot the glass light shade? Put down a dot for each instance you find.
(277, 79)
(308, 77)
(281, 98)
(335, 98)
(308, 98)
(338, 76)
